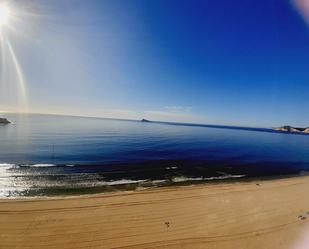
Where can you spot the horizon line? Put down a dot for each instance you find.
(128, 119)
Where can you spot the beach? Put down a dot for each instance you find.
(255, 214)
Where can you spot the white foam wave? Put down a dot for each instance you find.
(42, 165)
(158, 181)
(123, 181)
(46, 165)
(186, 179)
(8, 166)
(173, 167)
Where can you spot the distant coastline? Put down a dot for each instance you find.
(145, 120)
(4, 121)
(291, 129)
(282, 129)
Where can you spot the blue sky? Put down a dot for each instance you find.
(241, 62)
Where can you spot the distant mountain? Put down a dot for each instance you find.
(4, 121)
(306, 130)
(291, 129)
(145, 120)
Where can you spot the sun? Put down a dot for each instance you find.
(5, 14)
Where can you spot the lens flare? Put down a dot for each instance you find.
(5, 14)
(21, 79)
(302, 7)
(12, 80)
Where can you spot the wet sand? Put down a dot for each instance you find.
(257, 214)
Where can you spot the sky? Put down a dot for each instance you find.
(240, 62)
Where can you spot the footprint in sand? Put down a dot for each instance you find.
(167, 224)
(301, 217)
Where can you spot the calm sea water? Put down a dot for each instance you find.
(50, 155)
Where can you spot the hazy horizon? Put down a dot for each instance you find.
(238, 63)
(4, 114)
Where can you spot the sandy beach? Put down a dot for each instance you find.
(256, 214)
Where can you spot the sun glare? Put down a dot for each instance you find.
(4, 14)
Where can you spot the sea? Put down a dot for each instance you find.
(52, 155)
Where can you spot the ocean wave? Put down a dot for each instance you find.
(187, 179)
(42, 165)
(173, 167)
(123, 181)
(159, 181)
(46, 165)
(85, 184)
(8, 166)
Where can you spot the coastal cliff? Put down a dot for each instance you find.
(292, 129)
(4, 121)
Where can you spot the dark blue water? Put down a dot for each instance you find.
(47, 154)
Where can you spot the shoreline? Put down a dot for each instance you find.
(255, 214)
(123, 189)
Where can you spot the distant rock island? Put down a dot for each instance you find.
(291, 129)
(4, 121)
(145, 120)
